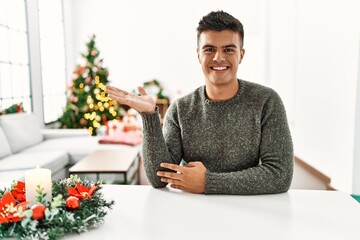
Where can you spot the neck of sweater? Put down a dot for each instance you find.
(225, 97)
(222, 93)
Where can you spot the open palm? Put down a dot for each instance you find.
(142, 103)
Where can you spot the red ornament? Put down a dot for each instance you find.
(19, 108)
(72, 203)
(83, 122)
(38, 210)
(79, 71)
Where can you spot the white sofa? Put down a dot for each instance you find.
(24, 145)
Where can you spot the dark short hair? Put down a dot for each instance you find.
(219, 21)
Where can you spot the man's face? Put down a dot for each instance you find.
(219, 54)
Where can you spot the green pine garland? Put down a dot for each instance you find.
(160, 94)
(59, 220)
(15, 108)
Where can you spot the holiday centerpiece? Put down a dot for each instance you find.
(77, 206)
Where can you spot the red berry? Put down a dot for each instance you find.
(38, 210)
(72, 203)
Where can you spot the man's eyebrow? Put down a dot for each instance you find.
(226, 46)
(230, 46)
(208, 46)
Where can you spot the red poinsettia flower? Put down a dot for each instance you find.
(82, 192)
(9, 209)
(19, 191)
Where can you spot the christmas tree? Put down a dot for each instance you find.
(87, 104)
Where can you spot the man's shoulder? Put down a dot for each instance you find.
(185, 104)
(256, 87)
(257, 90)
(192, 97)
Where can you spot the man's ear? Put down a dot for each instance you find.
(242, 53)
(198, 54)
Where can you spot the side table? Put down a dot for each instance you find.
(124, 161)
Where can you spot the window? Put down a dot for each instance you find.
(52, 44)
(14, 55)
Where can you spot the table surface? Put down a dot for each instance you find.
(142, 212)
(103, 161)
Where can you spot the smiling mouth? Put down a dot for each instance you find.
(219, 68)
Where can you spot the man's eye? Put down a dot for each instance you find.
(229, 50)
(209, 50)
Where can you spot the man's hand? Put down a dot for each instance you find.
(190, 178)
(143, 103)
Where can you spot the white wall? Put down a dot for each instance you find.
(307, 50)
(313, 64)
(158, 39)
(327, 42)
(356, 166)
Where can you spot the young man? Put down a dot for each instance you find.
(232, 134)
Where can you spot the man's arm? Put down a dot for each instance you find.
(155, 150)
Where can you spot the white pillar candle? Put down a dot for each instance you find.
(34, 178)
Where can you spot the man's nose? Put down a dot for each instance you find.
(218, 57)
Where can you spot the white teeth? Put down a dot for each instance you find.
(219, 68)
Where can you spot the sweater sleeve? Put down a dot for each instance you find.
(155, 150)
(275, 169)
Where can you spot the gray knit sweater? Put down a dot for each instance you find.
(244, 142)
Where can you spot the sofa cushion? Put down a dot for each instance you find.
(60, 133)
(53, 160)
(77, 147)
(4, 145)
(22, 130)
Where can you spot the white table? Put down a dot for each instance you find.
(142, 212)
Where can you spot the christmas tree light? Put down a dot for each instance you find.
(87, 104)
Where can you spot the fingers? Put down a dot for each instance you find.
(115, 93)
(169, 175)
(194, 164)
(177, 186)
(142, 91)
(115, 90)
(120, 95)
(111, 89)
(181, 187)
(189, 178)
(190, 164)
(171, 181)
(174, 167)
